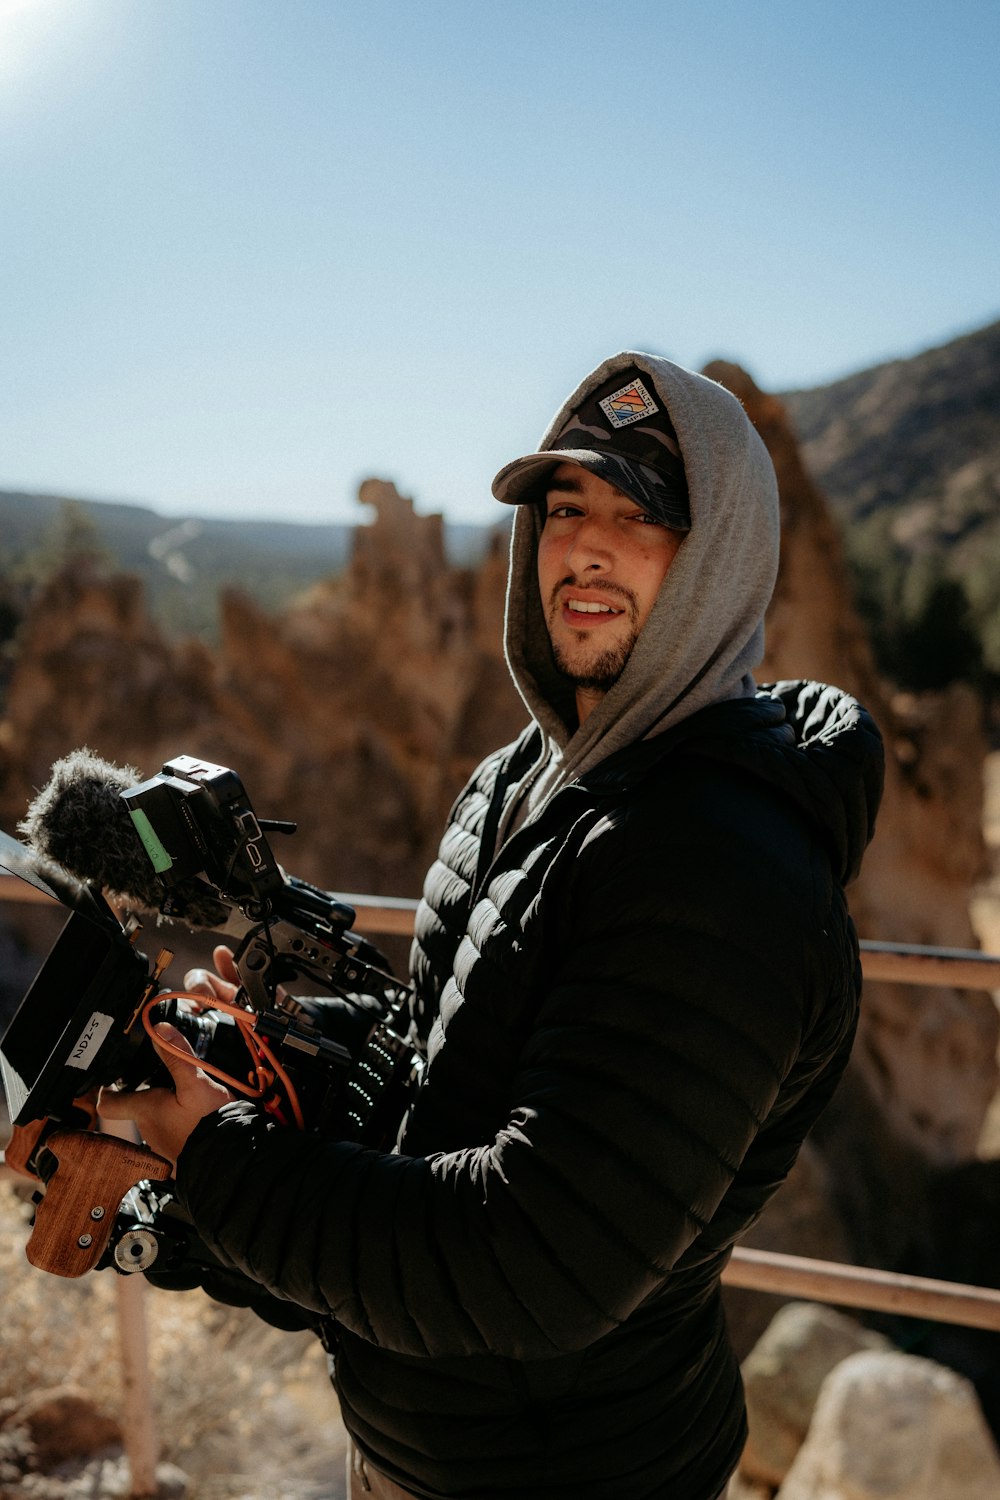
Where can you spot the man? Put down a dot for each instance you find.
(637, 985)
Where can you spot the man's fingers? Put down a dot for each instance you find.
(211, 986)
(130, 1104)
(164, 1032)
(222, 958)
(112, 1105)
(190, 1083)
(200, 982)
(220, 986)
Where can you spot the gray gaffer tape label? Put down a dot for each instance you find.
(90, 1041)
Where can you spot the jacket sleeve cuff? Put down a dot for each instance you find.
(197, 1175)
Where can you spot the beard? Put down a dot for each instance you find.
(603, 670)
(600, 674)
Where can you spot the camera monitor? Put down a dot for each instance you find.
(51, 1052)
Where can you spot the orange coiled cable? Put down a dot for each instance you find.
(265, 1066)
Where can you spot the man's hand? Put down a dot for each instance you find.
(221, 986)
(164, 1117)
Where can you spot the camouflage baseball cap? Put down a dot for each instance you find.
(622, 433)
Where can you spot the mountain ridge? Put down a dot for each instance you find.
(900, 402)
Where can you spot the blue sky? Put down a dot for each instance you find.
(252, 251)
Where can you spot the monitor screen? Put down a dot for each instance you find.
(51, 1052)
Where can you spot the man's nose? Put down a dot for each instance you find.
(589, 549)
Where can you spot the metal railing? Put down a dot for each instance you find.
(902, 963)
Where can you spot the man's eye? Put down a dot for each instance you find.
(558, 512)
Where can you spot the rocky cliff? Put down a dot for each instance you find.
(882, 1181)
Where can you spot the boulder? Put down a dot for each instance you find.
(783, 1375)
(892, 1426)
(63, 1424)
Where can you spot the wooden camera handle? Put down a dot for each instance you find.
(74, 1220)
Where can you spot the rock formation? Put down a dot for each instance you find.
(357, 712)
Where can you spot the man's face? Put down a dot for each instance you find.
(601, 560)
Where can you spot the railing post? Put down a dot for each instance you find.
(139, 1438)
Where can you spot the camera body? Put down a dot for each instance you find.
(84, 1022)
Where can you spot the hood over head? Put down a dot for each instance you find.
(705, 633)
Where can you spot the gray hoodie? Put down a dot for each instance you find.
(706, 630)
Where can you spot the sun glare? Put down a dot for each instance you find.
(24, 26)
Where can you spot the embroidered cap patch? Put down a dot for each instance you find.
(630, 404)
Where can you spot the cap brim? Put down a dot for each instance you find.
(518, 482)
(522, 482)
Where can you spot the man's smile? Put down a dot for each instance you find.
(585, 607)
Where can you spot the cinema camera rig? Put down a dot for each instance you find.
(336, 1064)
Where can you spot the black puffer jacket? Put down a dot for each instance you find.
(633, 1017)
